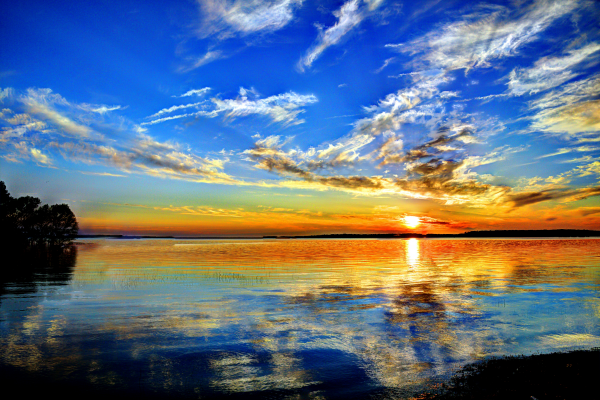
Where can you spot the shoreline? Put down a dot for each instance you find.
(495, 234)
(558, 375)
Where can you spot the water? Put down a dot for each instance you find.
(318, 319)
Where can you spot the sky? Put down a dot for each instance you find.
(278, 117)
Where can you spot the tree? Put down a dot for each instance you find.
(25, 222)
(55, 225)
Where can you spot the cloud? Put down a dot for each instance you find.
(548, 72)
(244, 17)
(283, 108)
(585, 211)
(174, 108)
(343, 152)
(98, 108)
(240, 212)
(573, 111)
(432, 178)
(226, 19)
(488, 33)
(44, 105)
(195, 92)
(158, 160)
(394, 110)
(570, 150)
(209, 114)
(528, 198)
(103, 174)
(570, 119)
(350, 15)
(41, 124)
(197, 62)
(385, 64)
(592, 168)
(40, 157)
(436, 178)
(6, 93)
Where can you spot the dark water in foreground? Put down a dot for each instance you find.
(315, 319)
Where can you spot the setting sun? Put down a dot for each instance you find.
(411, 222)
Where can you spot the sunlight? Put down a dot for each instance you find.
(412, 252)
(411, 222)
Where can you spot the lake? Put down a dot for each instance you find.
(314, 319)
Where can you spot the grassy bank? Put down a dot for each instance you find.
(569, 375)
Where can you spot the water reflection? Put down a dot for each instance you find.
(308, 318)
(412, 252)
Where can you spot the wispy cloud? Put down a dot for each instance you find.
(488, 33)
(580, 149)
(41, 125)
(529, 198)
(221, 20)
(283, 108)
(193, 63)
(385, 64)
(174, 108)
(573, 111)
(195, 92)
(40, 157)
(98, 108)
(548, 72)
(239, 17)
(349, 16)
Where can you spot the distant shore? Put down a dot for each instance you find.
(545, 233)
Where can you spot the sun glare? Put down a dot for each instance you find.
(411, 222)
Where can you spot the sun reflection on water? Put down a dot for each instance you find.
(283, 314)
(412, 252)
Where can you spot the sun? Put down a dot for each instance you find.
(412, 222)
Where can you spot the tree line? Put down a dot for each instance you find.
(24, 221)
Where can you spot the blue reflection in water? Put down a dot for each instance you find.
(317, 319)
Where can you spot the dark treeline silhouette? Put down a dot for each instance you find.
(25, 222)
(472, 234)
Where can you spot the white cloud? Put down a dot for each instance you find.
(48, 128)
(197, 62)
(548, 72)
(385, 64)
(174, 108)
(5, 94)
(350, 15)
(489, 33)
(210, 114)
(283, 108)
(573, 111)
(42, 104)
(39, 156)
(580, 149)
(195, 92)
(243, 17)
(98, 108)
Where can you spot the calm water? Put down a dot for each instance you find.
(296, 318)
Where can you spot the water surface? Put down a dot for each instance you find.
(296, 318)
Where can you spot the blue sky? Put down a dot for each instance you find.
(226, 117)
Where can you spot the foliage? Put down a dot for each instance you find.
(25, 222)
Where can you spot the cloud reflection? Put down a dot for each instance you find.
(291, 315)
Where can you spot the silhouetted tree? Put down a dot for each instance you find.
(25, 222)
(55, 225)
